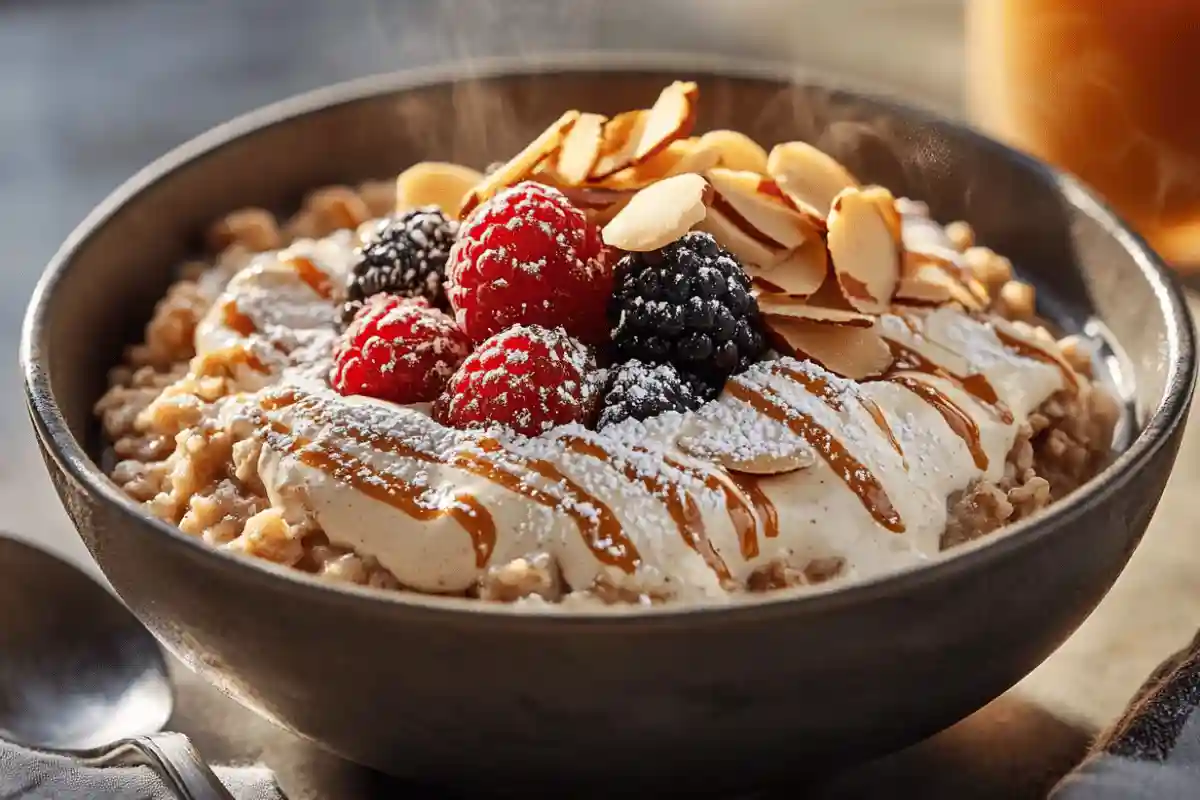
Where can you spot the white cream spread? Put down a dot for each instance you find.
(628, 506)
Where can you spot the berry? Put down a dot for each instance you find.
(529, 257)
(399, 350)
(405, 255)
(688, 304)
(527, 378)
(640, 391)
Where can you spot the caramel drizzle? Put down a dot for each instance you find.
(814, 384)
(601, 531)
(876, 414)
(317, 280)
(853, 473)
(820, 387)
(963, 426)
(1032, 351)
(748, 484)
(977, 385)
(389, 489)
(680, 505)
(236, 321)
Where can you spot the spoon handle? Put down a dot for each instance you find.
(173, 757)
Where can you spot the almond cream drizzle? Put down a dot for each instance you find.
(853, 473)
(907, 359)
(389, 489)
(748, 484)
(601, 531)
(1030, 350)
(236, 320)
(317, 280)
(680, 505)
(959, 421)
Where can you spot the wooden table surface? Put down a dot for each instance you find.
(91, 90)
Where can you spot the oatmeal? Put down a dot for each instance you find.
(630, 365)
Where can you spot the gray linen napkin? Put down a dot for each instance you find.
(30, 775)
(1153, 751)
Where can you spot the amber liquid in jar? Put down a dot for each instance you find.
(1106, 89)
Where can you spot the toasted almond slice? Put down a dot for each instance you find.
(749, 250)
(635, 136)
(696, 157)
(928, 278)
(742, 449)
(921, 234)
(522, 164)
(671, 117)
(852, 352)
(809, 175)
(619, 141)
(912, 289)
(790, 307)
(864, 244)
(755, 205)
(580, 149)
(435, 183)
(661, 165)
(795, 458)
(800, 273)
(1035, 342)
(658, 214)
(736, 150)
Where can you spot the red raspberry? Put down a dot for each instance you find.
(527, 378)
(529, 257)
(398, 349)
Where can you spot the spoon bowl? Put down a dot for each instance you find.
(77, 669)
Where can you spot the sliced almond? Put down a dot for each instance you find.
(696, 157)
(864, 244)
(795, 458)
(658, 214)
(600, 205)
(522, 164)
(749, 250)
(580, 149)
(633, 137)
(736, 150)
(435, 183)
(800, 273)
(755, 205)
(671, 117)
(675, 159)
(741, 448)
(852, 352)
(921, 291)
(791, 307)
(808, 175)
(928, 278)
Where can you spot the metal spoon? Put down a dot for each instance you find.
(81, 677)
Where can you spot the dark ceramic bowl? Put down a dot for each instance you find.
(472, 695)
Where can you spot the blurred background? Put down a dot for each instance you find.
(91, 90)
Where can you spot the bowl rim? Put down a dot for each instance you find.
(71, 458)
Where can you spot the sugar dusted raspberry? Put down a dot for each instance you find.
(398, 349)
(527, 378)
(529, 257)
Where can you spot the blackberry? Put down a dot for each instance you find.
(640, 391)
(406, 255)
(688, 304)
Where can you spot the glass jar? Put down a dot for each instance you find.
(1106, 89)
